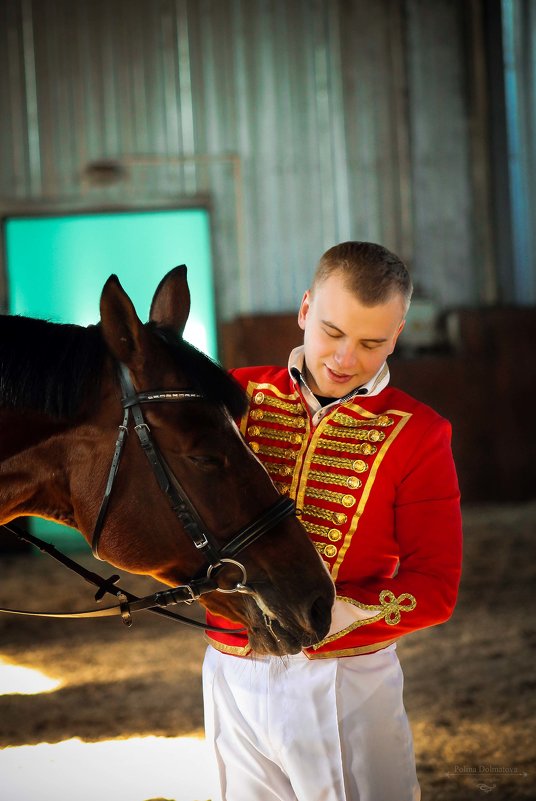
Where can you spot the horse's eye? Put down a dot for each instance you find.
(206, 461)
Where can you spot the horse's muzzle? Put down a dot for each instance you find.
(275, 632)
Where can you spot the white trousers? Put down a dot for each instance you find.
(294, 729)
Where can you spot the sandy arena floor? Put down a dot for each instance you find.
(469, 684)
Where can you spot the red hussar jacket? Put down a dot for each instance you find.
(375, 486)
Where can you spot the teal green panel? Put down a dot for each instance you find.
(57, 266)
(65, 538)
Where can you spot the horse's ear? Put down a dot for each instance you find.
(171, 302)
(122, 329)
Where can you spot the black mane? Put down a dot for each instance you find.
(54, 368)
(204, 374)
(49, 367)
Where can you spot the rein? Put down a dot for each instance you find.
(128, 602)
(216, 556)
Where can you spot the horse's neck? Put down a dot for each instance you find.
(32, 459)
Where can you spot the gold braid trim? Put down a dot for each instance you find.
(347, 500)
(345, 464)
(328, 532)
(332, 478)
(278, 469)
(345, 420)
(272, 417)
(372, 435)
(361, 649)
(339, 518)
(293, 408)
(235, 650)
(352, 447)
(271, 450)
(274, 433)
(389, 609)
(373, 472)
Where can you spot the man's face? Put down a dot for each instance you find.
(345, 342)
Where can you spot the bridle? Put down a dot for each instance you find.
(217, 556)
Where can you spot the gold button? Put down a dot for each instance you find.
(348, 501)
(360, 466)
(353, 482)
(339, 518)
(334, 534)
(297, 439)
(368, 449)
(254, 431)
(374, 435)
(300, 422)
(285, 470)
(257, 414)
(258, 397)
(330, 551)
(254, 446)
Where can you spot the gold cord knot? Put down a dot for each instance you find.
(392, 606)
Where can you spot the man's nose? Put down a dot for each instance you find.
(345, 357)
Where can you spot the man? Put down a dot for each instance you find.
(372, 474)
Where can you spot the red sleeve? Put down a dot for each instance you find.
(428, 532)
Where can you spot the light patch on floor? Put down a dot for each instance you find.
(19, 680)
(134, 769)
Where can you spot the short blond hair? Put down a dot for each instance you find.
(371, 272)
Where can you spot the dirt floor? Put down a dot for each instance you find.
(469, 684)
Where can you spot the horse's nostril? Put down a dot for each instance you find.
(321, 616)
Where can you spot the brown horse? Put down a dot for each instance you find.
(60, 410)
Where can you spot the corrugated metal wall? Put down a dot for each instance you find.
(301, 122)
(519, 54)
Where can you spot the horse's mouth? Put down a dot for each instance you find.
(269, 636)
(272, 639)
(267, 642)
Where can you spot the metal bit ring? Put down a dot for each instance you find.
(241, 585)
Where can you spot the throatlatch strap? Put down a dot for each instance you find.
(123, 431)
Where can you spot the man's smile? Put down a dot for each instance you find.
(337, 378)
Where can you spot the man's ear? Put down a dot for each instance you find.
(304, 309)
(400, 329)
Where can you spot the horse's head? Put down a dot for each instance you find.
(223, 480)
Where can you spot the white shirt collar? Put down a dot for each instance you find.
(372, 387)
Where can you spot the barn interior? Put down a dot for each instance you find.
(244, 138)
